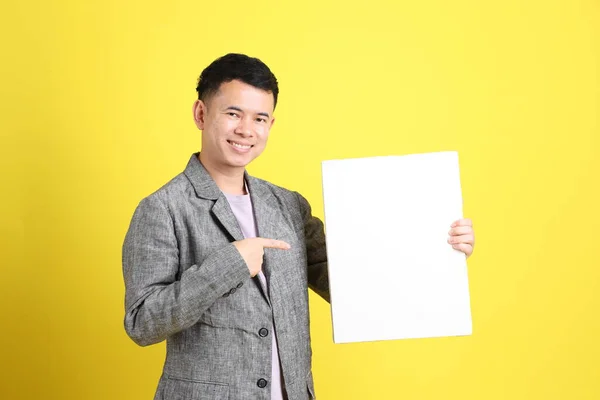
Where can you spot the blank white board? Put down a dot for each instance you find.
(392, 273)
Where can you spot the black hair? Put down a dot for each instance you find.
(232, 66)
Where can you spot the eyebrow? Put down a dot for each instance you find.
(235, 108)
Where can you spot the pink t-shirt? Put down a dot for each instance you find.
(241, 205)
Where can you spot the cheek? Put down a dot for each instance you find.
(219, 130)
(263, 134)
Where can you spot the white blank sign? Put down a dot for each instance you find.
(392, 273)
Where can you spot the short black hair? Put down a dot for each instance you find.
(233, 66)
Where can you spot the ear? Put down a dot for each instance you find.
(272, 122)
(199, 110)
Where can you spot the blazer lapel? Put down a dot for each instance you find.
(206, 188)
(266, 215)
(269, 221)
(272, 224)
(222, 211)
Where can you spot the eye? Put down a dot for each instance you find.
(232, 114)
(261, 120)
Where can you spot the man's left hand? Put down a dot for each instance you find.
(462, 236)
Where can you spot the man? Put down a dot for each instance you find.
(219, 263)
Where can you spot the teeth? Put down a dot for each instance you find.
(240, 146)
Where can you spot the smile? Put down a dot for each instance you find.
(239, 145)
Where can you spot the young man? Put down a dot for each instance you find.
(219, 263)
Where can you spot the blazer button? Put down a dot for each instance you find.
(263, 332)
(226, 294)
(232, 291)
(239, 285)
(262, 383)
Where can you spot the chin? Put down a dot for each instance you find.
(239, 162)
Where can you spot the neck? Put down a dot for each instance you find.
(229, 180)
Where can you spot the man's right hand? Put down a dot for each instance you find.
(253, 249)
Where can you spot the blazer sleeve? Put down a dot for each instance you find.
(316, 251)
(157, 303)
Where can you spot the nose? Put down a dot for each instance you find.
(244, 127)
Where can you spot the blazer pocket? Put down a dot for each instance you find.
(188, 389)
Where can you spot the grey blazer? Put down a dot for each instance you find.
(186, 283)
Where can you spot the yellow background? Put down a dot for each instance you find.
(96, 114)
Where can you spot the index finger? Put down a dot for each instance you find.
(462, 222)
(274, 244)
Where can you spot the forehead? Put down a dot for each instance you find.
(244, 96)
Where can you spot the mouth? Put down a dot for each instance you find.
(240, 146)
